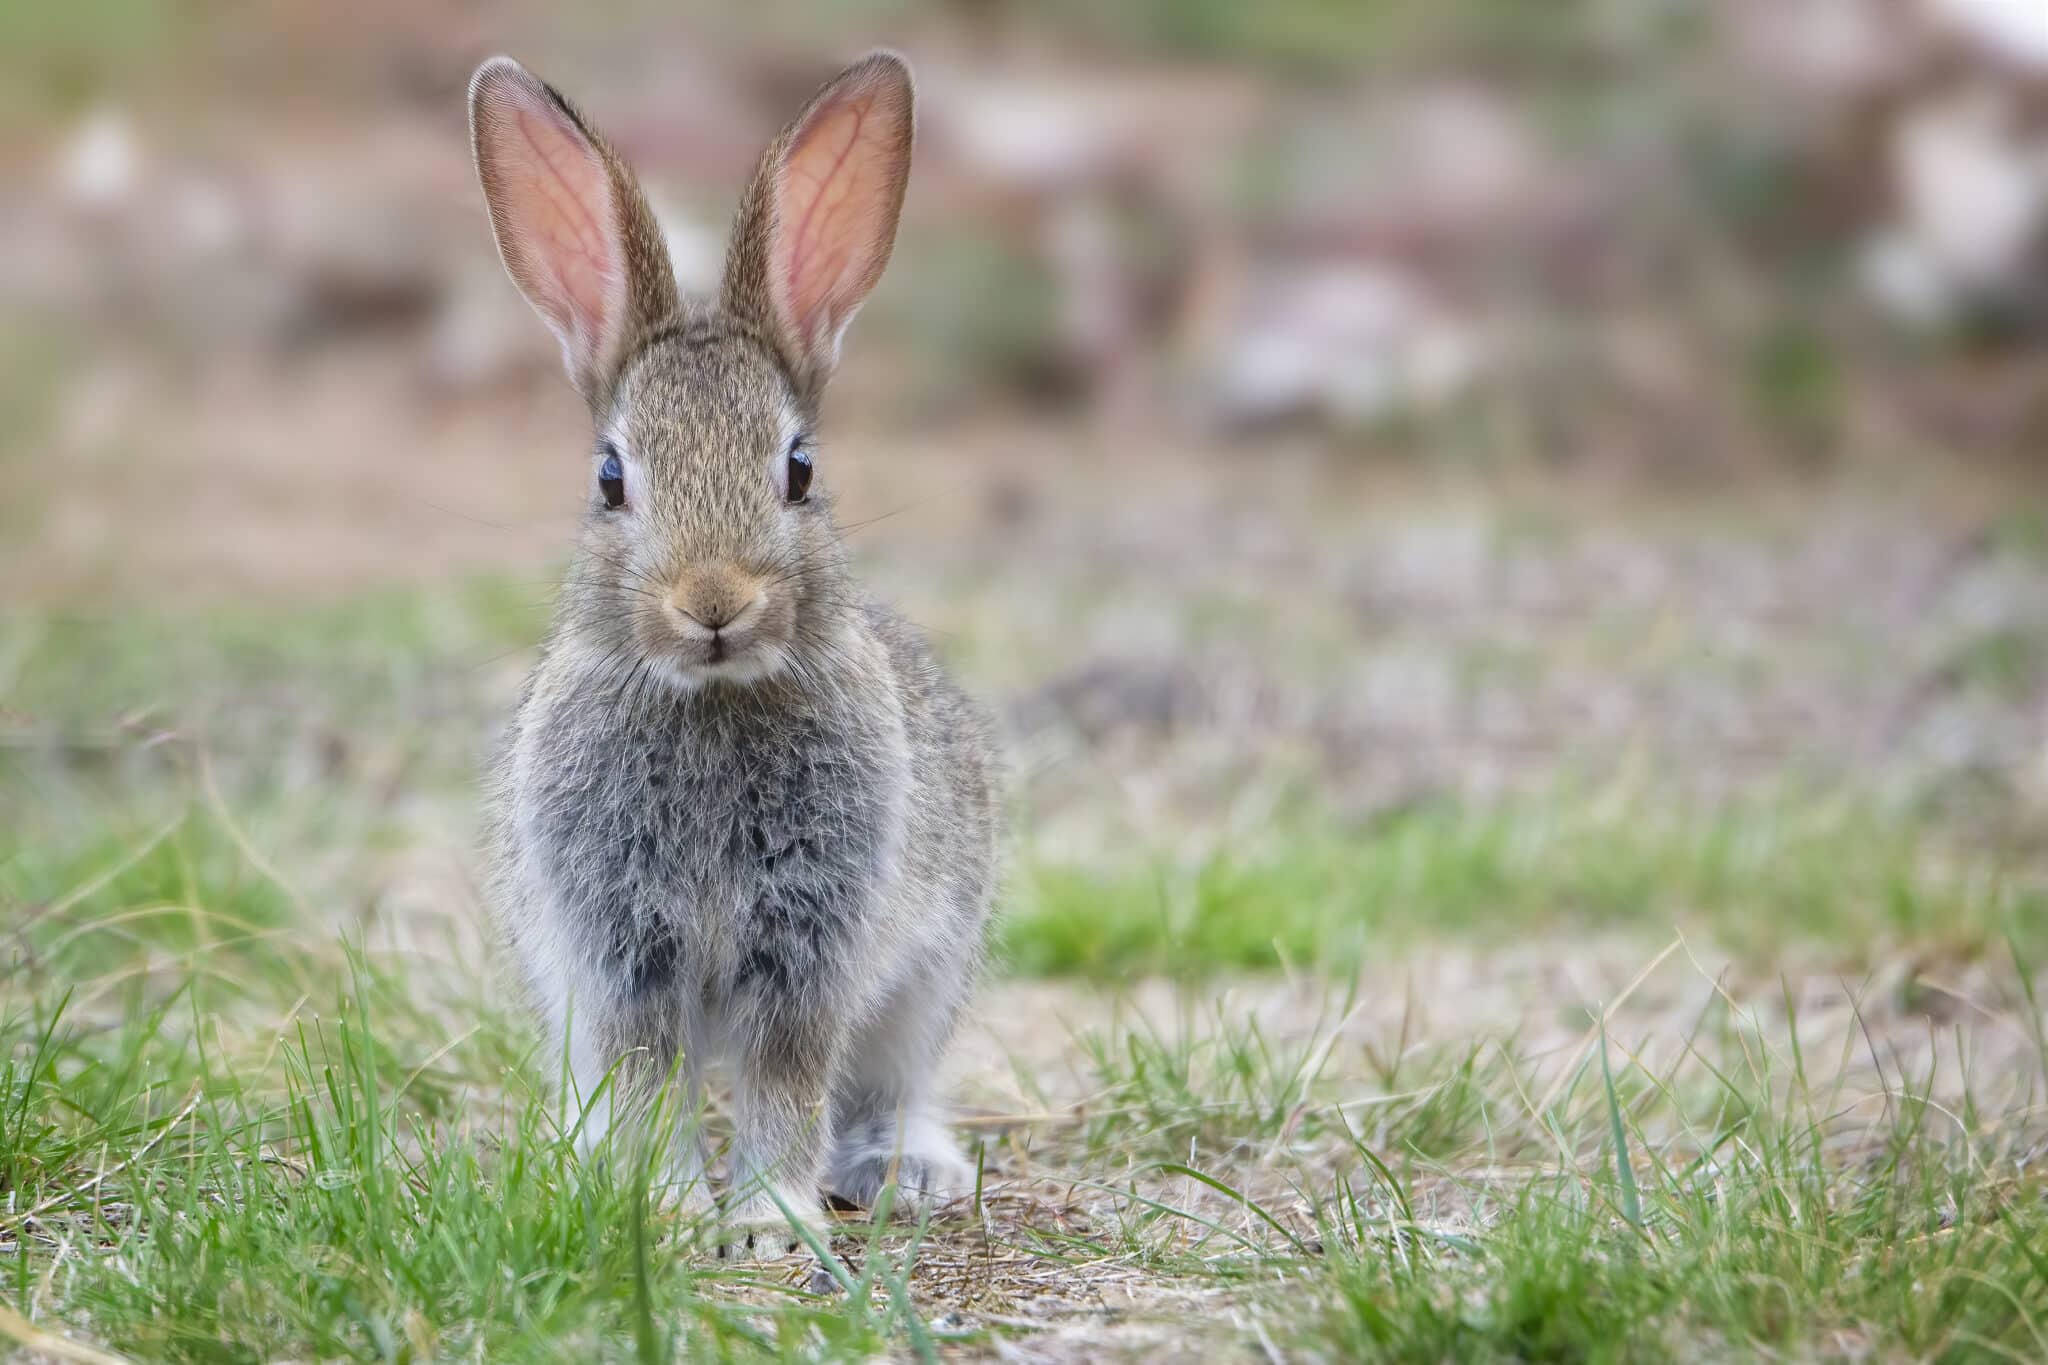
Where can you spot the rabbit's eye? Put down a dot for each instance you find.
(797, 481)
(611, 478)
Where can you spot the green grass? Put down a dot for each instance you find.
(246, 1113)
(1335, 36)
(1761, 876)
(1762, 1234)
(1753, 1272)
(1745, 1197)
(58, 57)
(243, 670)
(2009, 662)
(230, 1165)
(225, 1134)
(202, 1203)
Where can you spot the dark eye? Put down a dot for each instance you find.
(797, 487)
(611, 478)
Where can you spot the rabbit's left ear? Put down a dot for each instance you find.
(816, 225)
(575, 231)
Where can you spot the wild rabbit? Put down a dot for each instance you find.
(741, 815)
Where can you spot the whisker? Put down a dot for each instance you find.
(609, 587)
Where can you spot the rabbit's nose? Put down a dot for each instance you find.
(706, 618)
(713, 619)
(708, 607)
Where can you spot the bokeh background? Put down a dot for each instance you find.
(1390, 466)
(1507, 540)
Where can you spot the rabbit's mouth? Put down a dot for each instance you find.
(758, 662)
(736, 633)
(688, 665)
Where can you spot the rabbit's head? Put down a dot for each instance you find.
(707, 552)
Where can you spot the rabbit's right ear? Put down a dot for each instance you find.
(817, 224)
(573, 228)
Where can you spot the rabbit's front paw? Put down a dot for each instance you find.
(759, 1230)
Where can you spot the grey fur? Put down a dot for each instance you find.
(780, 855)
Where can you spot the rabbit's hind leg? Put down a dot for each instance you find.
(887, 1122)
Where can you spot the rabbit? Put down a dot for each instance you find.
(741, 814)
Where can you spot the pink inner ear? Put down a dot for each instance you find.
(553, 203)
(570, 242)
(835, 203)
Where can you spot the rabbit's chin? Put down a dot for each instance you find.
(765, 659)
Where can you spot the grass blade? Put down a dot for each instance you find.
(1624, 1170)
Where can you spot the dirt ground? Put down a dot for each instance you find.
(1531, 1013)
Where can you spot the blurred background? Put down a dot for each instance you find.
(1585, 453)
